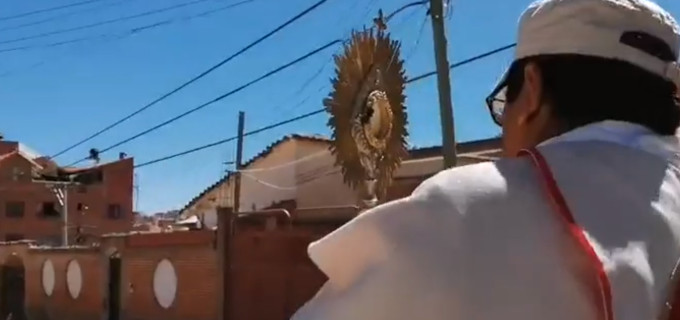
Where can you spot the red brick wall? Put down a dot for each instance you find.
(196, 268)
(268, 274)
(191, 253)
(61, 305)
(271, 275)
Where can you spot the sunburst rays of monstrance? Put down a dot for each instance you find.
(367, 112)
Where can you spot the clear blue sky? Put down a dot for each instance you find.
(51, 97)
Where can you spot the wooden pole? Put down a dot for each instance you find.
(224, 258)
(225, 230)
(239, 160)
(443, 84)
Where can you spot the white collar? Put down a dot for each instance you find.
(624, 133)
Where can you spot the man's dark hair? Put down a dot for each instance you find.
(583, 90)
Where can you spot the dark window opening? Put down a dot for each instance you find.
(49, 210)
(14, 209)
(14, 237)
(115, 211)
(90, 177)
(18, 174)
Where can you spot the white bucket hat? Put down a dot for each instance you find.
(635, 31)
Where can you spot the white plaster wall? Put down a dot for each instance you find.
(319, 180)
(269, 179)
(313, 181)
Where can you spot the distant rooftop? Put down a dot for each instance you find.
(28, 152)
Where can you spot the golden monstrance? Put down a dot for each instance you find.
(367, 112)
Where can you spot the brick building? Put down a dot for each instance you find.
(99, 202)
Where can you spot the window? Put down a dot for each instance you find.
(90, 177)
(14, 209)
(115, 211)
(16, 173)
(49, 210)
(14, 237)
(82, 208)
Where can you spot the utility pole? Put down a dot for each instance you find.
(64, 241)
(225, 229)
(443, 83)
(239, 159)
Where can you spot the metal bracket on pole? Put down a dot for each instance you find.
(60, 190)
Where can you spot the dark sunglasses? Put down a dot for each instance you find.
(496, 103)
(501, 95)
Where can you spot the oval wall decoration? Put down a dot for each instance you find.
(48, 277)
(74, 278)
(165, 283)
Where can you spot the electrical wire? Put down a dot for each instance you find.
(406, 6)
(399, 25)
(129, 32)
(221, 97)
(464, 62)
(160, 125)
(297, 184)
(283, 111)
(294, 107)
(34, 12)
(223, 141)
(287, 111)
(415, 46)
(196, 78)
(287, 164)
(59, 16)
(105, 22)
(112, 37)
(312, 113)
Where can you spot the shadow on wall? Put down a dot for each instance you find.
(12, 288)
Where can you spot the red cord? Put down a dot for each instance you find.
(560, 206)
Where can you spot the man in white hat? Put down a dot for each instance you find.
(580, 220)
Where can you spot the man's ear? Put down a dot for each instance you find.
(533, 82)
